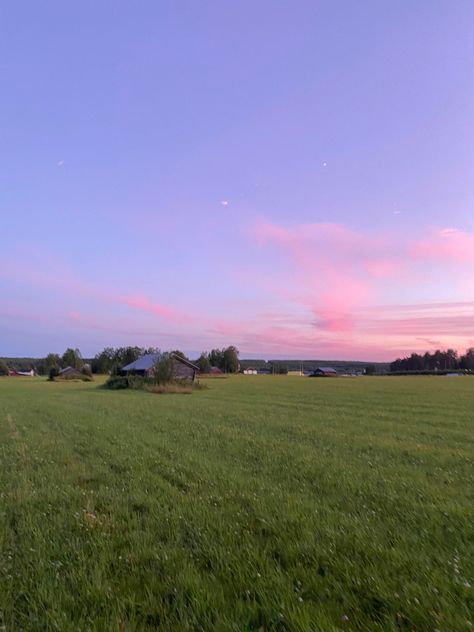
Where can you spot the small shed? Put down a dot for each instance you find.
(250, 371)
(324, 371)
(69, 373)
(215, 370)
(182, 369)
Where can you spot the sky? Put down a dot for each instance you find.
(291, 177)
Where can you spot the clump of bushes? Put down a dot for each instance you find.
(150, 384)
(116, 382)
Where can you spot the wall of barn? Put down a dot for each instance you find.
(182, 371)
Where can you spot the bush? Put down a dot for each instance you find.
(116, 382)
(53, 373)
(163, 369)
(137, 382)
(3, 368)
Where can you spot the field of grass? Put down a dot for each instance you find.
(261, 503)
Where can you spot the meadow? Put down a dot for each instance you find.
(260, 503)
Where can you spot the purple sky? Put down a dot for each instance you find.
(294, 178)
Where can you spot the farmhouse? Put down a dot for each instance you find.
(182, 369)
(324, 371)
(22, 373)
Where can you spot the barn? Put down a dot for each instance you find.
(215, 370)
(324, 371)
(182, 369)
(70, 373)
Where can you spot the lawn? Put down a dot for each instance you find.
(261, 503)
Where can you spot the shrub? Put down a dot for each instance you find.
(53, 373)
(3, 368)
(137, 382)
(116, 382)
(163, 369)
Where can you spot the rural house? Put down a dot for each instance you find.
(182, 369)
(324, 371)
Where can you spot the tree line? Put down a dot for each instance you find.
(112, 359)
(226, 359)
(437, 361)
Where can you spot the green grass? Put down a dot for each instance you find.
(260, 503)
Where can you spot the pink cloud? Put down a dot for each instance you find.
(332, 270)
(337, 274)
(57, 277)
(448, 244)
(142, 303)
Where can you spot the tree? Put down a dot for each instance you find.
(51, 360)
(467, 360)
(164, 369)
(3, 368)
(53, 372)
(203, 363)
(370, 369)
(104, 361)
(231, 359)
(127, 355)
(73, 358)
(179, 353)
(216, 358)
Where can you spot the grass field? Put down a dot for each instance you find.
(262, 503)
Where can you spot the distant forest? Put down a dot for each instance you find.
(438, 361)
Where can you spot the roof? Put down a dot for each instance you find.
(149, 360)
(144, 363)
(186, 361)
(326, 369)
(69, 369)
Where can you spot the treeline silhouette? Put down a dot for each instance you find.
(448, 360)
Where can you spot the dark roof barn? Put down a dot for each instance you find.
(183, 369)
(324, 371)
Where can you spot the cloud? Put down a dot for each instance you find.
(337, 274)
(53, 275)
(142, 303)
(333, 265)
(445, 244)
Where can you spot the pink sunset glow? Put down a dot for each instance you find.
(332, 296)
